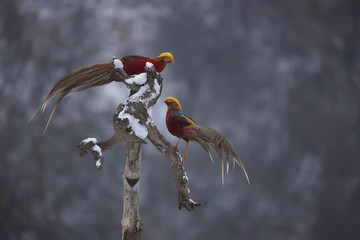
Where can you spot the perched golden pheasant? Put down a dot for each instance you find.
(185, 128)
(98, 75)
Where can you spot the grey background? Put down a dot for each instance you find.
(280, 79)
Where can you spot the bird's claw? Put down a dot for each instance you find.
(184, 156)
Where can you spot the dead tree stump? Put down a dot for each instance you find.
(131, 224)
(133, 123)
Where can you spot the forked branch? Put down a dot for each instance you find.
(132, 123)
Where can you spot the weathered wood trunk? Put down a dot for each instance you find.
(131, 224)
(135, 108)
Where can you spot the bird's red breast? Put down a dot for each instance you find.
(179, 124)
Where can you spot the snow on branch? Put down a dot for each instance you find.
(133, 123)
(89, 145)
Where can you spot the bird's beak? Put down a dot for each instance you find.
(167, 103)
(169, 60)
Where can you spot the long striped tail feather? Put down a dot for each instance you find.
(205, 146)
(74, 82)
(221, 145)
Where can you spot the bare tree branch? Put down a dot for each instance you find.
(177, 166)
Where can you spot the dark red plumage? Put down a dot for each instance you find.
(185, 128)
(136, 64)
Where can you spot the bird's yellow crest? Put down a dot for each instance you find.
(171, 100)
(168, 57)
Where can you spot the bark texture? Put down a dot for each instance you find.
(131, 224)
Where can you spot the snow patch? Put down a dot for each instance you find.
(150, 119)
(192, 201)
(157, 88)
(137, 128)
(118, 63)
(180, 156)
(89, 140)
(96, 148)
(149, 65)
(98, 163)
(185, 177)
(138, 79)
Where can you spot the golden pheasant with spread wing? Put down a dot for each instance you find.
(185, 128)
(98, 75)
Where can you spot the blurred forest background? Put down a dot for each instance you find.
(280, 79)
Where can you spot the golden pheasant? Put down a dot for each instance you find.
(185, 128)
(98, 75)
